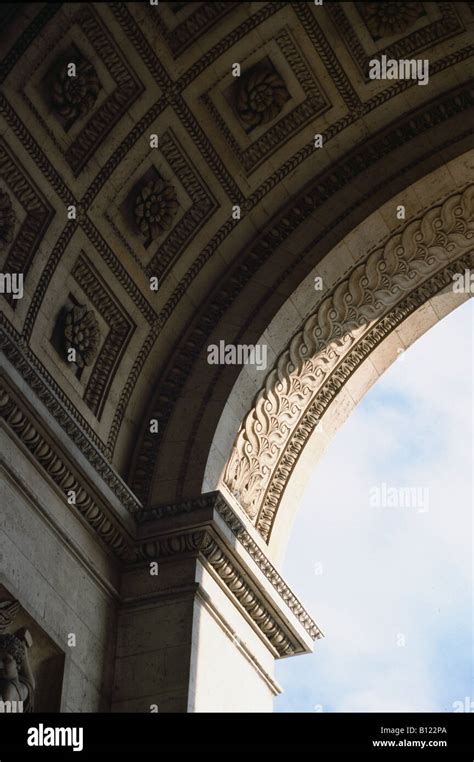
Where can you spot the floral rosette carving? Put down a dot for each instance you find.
(74, 96)
(261, 96)
(7, 220)
(387, 19)
(155, 207)
(82, 333)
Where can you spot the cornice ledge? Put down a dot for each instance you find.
(203, 540)
(61, 408)
(54, 463)
(182, 542)
(246, 595)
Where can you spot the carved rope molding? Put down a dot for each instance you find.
(442, 235)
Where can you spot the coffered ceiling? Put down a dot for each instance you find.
(132, 170)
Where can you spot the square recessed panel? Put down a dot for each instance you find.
(151, 207)
(419, 28)
(258, 95)
(99, 329)
(78, 112)
(183, 201)
(390, 19)
(71, 87)
(278, 96)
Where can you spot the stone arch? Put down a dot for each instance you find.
(311, 218)
(368, 302)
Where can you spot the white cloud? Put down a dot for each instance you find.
(392, 571)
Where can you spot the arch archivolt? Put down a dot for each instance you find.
(362, 310)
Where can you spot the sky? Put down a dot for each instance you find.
(391, 586)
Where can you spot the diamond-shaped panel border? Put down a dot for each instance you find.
(409, 46)
(314, 105)
(38, 214)
(104, 118)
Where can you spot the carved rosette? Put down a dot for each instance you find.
(82, 333)
(74, 96)
(261, 96)
(387, 19)
(155, 207)
(7, 220)
(390, 273)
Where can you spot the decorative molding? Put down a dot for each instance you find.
(29, 35)
(306, 204)
(38, 214)
(262, 13)
(203, 205)
(121, 328)
(417, 41)
(47, 273)
(195, 541)
(128, 89)
(62, 474)
(307, 18)
(40, 158)
(61, 408)
(7, 220)
(200, 21)
(242, 590)
(172, 96)
(119, 271)
(338, 378)
(129, 387)
(217, 501)
(409, 258)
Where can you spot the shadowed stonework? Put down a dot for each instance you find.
(175, 177)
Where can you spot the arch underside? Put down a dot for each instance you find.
(364, 308)
(118, 208)
(219, 278)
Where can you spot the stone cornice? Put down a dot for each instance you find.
(58, 404)
(202, 541)
(244, 592)
(217, 501)
(56, 466)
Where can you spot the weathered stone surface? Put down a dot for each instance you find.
(171, 205)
